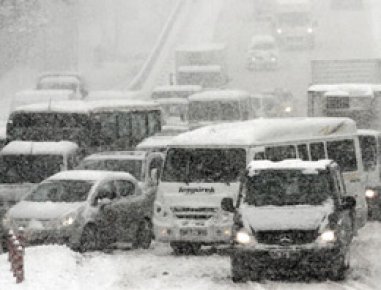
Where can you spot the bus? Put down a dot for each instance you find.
(203, 166)
(93, 125)
(216, 106)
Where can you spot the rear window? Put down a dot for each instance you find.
(344, 153)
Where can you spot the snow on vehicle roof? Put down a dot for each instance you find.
(177, 88)
(201, 47)
(348, 87)
(38, 148)
(59, 79)
(93, 175)
(200, 68)
(172, 101)
(118, 155)
(264, 131)
(79, 106)
(262, 38)
(292, 164)
(336, 93)
(368, 132)
(112, 94)
(62, 94)
(215, 95)
(154, 142)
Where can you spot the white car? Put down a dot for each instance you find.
(86, 210)
(263, 53)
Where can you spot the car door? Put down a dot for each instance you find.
(131, 209)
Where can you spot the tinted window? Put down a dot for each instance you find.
(280, 153)
(303, 152)
(343, 152)
(317, 151)
(368, 147)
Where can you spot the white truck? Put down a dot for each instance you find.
(346, 88)
(203, 65)
(294, 25)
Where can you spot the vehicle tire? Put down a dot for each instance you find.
(185, 248)
(339, 270)
(89, 239)
(143, 236)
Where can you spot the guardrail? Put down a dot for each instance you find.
(140, 78)
(16, 252)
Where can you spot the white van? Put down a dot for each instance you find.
(203, 166)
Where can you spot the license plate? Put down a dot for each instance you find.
(280, 255)
(193, 232)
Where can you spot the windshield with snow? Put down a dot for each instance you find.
(203, 165)
(214, 111)
(28, 168)
(287, 187)
(133, 167)
(61, 191)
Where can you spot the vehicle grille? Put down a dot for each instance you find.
(284, 238)
(203, 213)
(337, 103)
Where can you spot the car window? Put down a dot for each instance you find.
(124, 188)
(107, 190)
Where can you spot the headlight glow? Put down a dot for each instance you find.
(370, 193)
(310, 30)
(328, 236)
(279, 31)
(67, 221)
(288, 109)
(243, 237)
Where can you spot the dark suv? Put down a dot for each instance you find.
(291, 214)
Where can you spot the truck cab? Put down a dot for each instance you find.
(294, 25)
(291, 214)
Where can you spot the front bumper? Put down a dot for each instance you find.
(192, 232)
(281, 258)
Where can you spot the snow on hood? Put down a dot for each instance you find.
(14, 192)
(43, 210)
(298, 217)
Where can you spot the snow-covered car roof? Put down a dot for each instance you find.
(73, 74)
(172, 101)
(348, 87)
(215, 95)
(113, 94)
(93, 175)
(201, 47)
(264, 131)
(368, 132)
(336, 94)
(262, 38)
(78, 106)
(38, 148)
(35, 94)
(59, 79)
(200, 68)
(178, 88)
(118, 155)
(293, 164)
(154, 142)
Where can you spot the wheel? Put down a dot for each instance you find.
(89, 239)
(338, 271)
(143, 236)
(185, 248)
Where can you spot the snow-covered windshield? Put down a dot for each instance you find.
(294, 19)
(203, 165)
(61, 191)
(28, 168)
(133, 167)
(287, 187)
(214, 111)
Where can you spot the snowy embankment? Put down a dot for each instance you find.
(57, 267)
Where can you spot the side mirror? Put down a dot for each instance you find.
(227, 204)
(348, 202)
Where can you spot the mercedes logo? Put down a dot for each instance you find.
(285, 240)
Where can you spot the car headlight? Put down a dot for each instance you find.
(328, 236)
(310, 30)
(279, 31)
(243, 237)
(68, 220)
(370, 193)
(288, 109)
(273, 59)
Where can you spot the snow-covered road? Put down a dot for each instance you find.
(57, 267)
